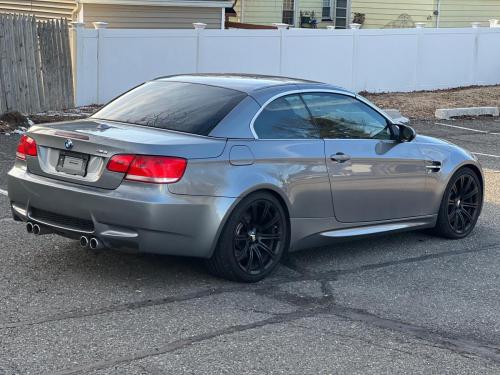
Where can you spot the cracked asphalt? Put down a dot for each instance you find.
(404, 303)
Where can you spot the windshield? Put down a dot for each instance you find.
(185, 107)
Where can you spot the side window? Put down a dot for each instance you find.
(344, 117)
(285, 118)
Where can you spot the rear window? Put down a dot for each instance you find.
(185, 107)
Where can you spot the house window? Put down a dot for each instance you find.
(327, 10)
(341, 12)
(289, 12)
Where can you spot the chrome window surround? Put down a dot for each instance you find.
(292, 92)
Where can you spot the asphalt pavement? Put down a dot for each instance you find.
(404, 303)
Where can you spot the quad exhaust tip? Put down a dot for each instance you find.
(41, 229)
(84, 241)
(37, 229)
(95, 244)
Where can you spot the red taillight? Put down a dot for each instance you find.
(26, 146)
(120, 163)
(154, 169)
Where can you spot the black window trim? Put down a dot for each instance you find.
(309, 91)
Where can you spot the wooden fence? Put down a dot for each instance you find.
(35, 64)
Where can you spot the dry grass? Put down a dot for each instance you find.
(423, 104)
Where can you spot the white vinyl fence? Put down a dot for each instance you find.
(111, 61)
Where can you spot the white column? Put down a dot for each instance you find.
(281, 27)
(354, 76)
(199, 27)
(77, 29)
(475, 56)
(99, 26)
(418, 59)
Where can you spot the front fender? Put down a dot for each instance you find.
(452, 158)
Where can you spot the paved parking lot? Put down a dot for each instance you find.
(393, 304)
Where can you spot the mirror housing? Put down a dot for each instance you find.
(403, 133)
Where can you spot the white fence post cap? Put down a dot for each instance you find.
(281, 26)
(100, 25)
(199, 25)
(420, 25)
(493, 23)
(77, 25)
(355, 26)
(475, 25)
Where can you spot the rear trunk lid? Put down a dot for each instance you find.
(78, 151)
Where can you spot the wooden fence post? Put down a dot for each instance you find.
(6, 91)
(38, 64)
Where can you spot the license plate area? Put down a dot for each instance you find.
(73, 163)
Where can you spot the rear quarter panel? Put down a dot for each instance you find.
(294, 169)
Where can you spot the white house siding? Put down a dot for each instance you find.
(151, 17)
(40, 8)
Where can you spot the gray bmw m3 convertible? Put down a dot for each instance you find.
(239, 170)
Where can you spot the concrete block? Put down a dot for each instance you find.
(447, 113)
(396, 116)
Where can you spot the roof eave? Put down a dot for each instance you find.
(170, 3)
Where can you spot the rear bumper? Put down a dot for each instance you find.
(143, 217)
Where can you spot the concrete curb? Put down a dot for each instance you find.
(448, 113)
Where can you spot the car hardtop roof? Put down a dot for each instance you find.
(248, 83)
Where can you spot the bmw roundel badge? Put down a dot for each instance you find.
(68, 143)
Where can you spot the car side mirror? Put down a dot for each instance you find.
(403, 133)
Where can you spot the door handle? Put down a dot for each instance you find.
(340, 157)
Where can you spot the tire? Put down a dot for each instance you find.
(461, 205)
(253, 240)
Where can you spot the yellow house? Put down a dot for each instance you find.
(373, 13)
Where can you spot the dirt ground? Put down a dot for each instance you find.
(18, 122)
(65, 115)
(422, 105)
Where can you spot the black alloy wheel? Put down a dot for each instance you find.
(253, 240)
(461, 205)
(258, 237)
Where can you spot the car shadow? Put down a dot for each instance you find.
(112, 266)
